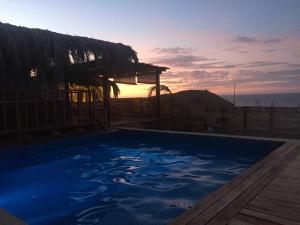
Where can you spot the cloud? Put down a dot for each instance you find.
(272, 40)
(222, 80)
(270, 50)
(294, 65)
(254, 40)
(181, 60)
(15, 4)
(262, 63)
(174, 50)
(215, 65)
(197, 79)
(245, 39)
(199, 62)
(237, 49)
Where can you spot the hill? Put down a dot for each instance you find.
(196, 98)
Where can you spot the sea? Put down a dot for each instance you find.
(279, 100)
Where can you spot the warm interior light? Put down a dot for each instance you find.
(33, 72)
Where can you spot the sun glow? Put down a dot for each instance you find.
(129, 91)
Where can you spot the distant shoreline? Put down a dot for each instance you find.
(276, 99)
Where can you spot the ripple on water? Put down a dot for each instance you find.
(128, 158)
(121, 181)
(141, 184)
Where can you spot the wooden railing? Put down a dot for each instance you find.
(25, 111)
(132, 107)
(271, 121)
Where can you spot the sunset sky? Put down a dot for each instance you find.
(207, 44)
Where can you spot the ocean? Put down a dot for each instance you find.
(281, 100)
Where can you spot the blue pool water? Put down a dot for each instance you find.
(123, 177)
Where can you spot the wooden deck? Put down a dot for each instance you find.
(8, 219)
(267, 193)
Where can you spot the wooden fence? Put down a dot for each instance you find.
(29, 111)
(265, 121)
(268, 120)
(25, 111)
(132, 107)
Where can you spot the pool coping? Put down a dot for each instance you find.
(230, 203)
(209, 134)
(8, 219)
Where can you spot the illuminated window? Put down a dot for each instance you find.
(33, 73)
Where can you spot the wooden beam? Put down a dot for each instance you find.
(106, 102)
(157, 94)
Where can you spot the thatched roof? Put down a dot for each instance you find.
(23, 49)
(88, 73)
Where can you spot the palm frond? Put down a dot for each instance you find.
(162, 88)
(115, 89)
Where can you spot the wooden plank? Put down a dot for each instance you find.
(79, 106)
(18, 115)
(280, 195)
(70, 103)
(64, 102)
(274, 208)
(36, 107)
(241, 219)
(276, 201)
(25, 110)
(87, 104)
(271, 119)
(239, 222)
(290, 173)
(236, 187)
(247, 195)
(55, 94)
(94, 105)
(8, 219)
(4, 109)
(285, 184)
(268, 217)
(46, 108)
(245, 118)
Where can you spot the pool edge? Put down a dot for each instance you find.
(207, 209)
(209, 134)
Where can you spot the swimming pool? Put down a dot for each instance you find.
(123, 177)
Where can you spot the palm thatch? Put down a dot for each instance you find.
(23, 50)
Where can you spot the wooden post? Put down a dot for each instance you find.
(55, 94)
(4, 100)
(94, 105)
(88, 116)
(157, 94)
(46, 110)
(245, 118)
(36, 107)
(106, 103)
(79, 106)
(223, 118)
(25, 101)
(70, 106)
(63, 95)
(271, 118)
(18, 116)
(67, 104)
